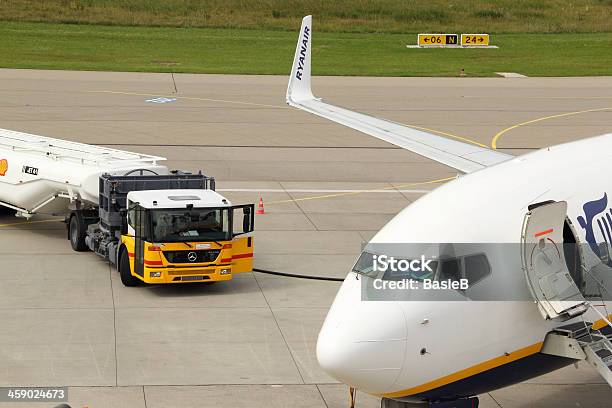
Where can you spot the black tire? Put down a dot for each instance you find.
(76, 232)
(125, 271)
(6, 211)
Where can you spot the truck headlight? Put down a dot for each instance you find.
(155, 274)
(225, 271)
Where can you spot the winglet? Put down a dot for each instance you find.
(462, 156)
(299, 80)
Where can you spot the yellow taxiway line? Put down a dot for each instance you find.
(192, 98)
(560, 115)
(462, 138)
(352, 193)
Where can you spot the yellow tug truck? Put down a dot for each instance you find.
(156, 226)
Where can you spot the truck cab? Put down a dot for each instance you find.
(178, 236)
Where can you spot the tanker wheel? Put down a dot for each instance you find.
(77, 230)
(125, 271)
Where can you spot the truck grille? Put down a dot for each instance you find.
(190, 271)
(189, 278)
(208, 255)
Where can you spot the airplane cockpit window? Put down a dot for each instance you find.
(365, 265)
(450, 269)
(477, 267)
(426, 273)
(474, 268)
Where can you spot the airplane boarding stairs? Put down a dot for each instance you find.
(598, 350)
(580, 341)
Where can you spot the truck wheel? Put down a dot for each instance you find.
(76, 232)
(125, 271)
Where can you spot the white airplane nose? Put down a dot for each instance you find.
(362, 343)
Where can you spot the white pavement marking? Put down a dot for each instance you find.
(306, 190)
(161, 99)
(511, 75)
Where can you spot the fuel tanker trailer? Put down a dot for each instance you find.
(152, 224)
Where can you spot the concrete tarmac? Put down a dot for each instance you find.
(68, 321)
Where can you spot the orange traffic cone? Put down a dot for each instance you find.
(260, 207)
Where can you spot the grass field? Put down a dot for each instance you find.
(243, 51)
(389, 16)
(352, 37)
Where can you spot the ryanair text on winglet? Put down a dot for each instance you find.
(302, 57)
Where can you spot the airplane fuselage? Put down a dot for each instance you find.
(422, 349)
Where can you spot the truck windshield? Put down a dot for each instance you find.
(195, 225)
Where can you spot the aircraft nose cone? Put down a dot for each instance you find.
(363, 344)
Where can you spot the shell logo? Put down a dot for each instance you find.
(3, 167)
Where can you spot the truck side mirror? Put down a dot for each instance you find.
(246, 222)
(124, 221)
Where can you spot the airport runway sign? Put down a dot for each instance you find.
(438, 40)
(474, 40)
